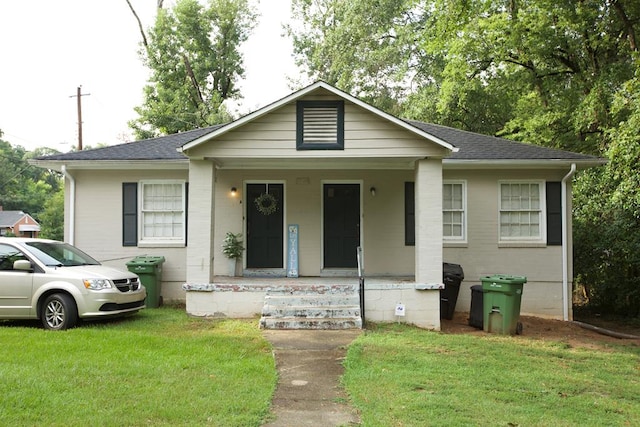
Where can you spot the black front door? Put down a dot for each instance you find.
(341, 225)
(264, 225)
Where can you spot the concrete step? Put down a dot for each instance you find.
(310, 312)
(308, 300)
(315, 290)
(312, 307)
(305, 323)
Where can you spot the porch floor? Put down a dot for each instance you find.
(311, 280)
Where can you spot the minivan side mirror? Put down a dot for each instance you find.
(22, 265)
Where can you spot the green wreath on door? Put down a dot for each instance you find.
(266, 204)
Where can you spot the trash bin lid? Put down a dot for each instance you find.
(147, 260)
(504, 278)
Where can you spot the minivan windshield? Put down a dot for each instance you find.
(59, 254)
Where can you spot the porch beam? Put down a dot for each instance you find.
(200, 252)
(428, 214)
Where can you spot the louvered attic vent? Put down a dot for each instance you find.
(320, 125)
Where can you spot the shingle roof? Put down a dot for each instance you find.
(9, 218)
(472, 146)
(475, 146)
(161, 148)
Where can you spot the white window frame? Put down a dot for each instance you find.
(540, 210)
(462, 210)
(162, 240)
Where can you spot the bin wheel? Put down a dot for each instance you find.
(519, 328)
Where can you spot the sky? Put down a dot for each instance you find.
(49, 48)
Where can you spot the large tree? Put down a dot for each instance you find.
(193, 53)
(544, 71)
(559, 73)
(607, 213)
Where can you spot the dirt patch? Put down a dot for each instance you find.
(547, 329)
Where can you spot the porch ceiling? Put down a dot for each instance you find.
(316, 163)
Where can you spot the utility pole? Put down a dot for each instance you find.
(78, 95)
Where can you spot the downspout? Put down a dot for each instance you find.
(72, 204)
(565, 245)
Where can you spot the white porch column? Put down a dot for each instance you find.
(428, 211)
(202, 175)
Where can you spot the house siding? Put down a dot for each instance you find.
(382, 222)
(274, 136)
(98, 227)
(98, 224)
(482, 255)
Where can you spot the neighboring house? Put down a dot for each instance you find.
(341, 174)
(18, 223)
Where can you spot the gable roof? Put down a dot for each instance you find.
(468, 149)
(305, 91)
(10, 218)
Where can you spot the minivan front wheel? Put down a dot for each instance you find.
(59, 312)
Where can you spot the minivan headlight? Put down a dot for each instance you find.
(97, 284)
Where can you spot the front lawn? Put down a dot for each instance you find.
(402, 376)
(157, 368)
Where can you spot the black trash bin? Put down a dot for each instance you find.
(476, 313)
(452, 276)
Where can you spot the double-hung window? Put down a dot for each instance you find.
(522, 211)
(154, 213)
(163, 211)
(454, 210)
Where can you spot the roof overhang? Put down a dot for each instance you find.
(29, 227)
(301, 93)
(521, 164)
(112, 164)
(355, 163)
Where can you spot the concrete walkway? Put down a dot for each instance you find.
(309, 364)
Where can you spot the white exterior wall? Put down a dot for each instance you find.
(98, 224)
(200, 251)
(382, 225)
(483, 255)
(377, 153)
(382, 297)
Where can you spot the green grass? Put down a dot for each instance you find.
(402, 376)
(157, 368)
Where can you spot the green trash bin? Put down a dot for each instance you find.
(149, 269)
(501, 303)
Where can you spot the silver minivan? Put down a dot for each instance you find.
(58, 284)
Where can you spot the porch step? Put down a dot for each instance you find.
(312, 307)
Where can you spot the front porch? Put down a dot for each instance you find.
(386, 299)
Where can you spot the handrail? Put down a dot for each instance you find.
(361, 280)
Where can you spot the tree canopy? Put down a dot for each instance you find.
(559, 73)
(542, 71)
(193, 53)
(31, 189)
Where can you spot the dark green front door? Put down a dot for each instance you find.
(341, 225)
(265, 225)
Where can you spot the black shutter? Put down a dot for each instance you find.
(129, 214)
(554, 214)
(409, 214)
(186, 213)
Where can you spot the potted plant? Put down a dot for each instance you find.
(232, 248)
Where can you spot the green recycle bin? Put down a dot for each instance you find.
(501, 303)
(149, 269)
